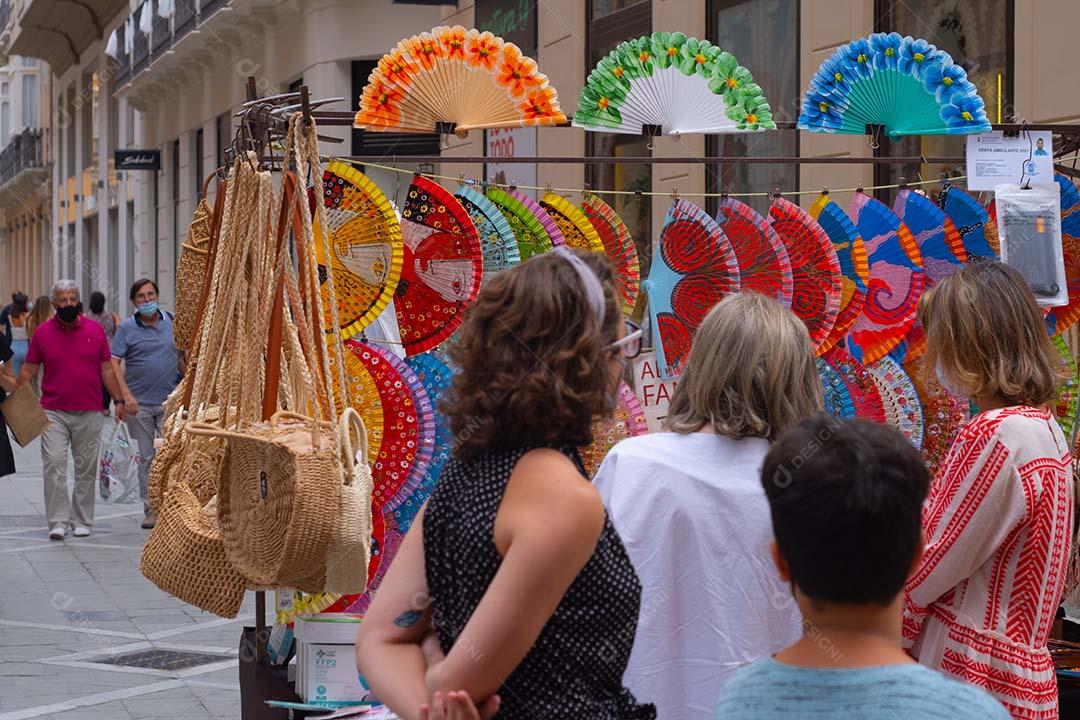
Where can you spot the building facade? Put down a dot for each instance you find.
(167, 76)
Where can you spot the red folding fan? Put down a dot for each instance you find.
(865, 397)
(815, 269)
(764, 266)
(443, 266)
(619, 247)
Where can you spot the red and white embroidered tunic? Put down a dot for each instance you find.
(998, 523)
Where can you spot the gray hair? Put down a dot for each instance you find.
(60, 286)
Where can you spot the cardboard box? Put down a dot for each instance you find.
(326, 671)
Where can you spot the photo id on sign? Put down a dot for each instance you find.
(994, 159)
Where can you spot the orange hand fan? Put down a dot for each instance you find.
(577, 230)
(365, 240)
(619, 246)
(467, 78)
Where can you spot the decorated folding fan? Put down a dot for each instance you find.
(1060, 319)
(896, 280)
(977, 231)
(469, 78)
(854, 268)
(497, 239)
(835, 393)
(366, 244)
(815, 269)
(1066, 402)
(619, 246)
(442, 269)
(576, 229)
(435, 376)
(943, 415)
(764, 266)
(533, 228)
(627, 421)
(908, 86)
(693, 269)
(683, 85)
(899, 398)
(865, 397)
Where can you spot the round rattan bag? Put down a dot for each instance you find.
(350, 551)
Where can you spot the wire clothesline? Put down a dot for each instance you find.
(649, 193)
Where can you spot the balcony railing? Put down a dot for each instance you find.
(5, 13)
(184, 20)
(123, 60)
(24, 152)
(162, 35)
(141, 54)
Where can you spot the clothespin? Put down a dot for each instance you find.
(674, 194)
(825, 190)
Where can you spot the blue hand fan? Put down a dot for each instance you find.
(854, 267)
(1060, 319)
(940, 244)
(977, 231)
(906, 85)
(497, 240)
(435, 377)
(835, 391)
(694, 267)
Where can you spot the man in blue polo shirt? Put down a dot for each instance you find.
(144, 342)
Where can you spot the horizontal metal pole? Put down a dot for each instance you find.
(567, 160)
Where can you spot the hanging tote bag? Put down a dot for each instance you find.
(191, 268)
(350, 549)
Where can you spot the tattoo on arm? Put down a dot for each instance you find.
(407, 619)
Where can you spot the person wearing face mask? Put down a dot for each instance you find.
(74, 353)
(150, 370)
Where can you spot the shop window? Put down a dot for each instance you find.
(763, 35)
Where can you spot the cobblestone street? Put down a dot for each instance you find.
(70, 611)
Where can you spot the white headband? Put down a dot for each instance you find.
(593, 289)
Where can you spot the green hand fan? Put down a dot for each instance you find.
(908, 86)
(681, 84)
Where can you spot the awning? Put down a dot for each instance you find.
(59, 31)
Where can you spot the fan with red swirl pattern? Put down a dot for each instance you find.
(865, 397)
(764, 266)
(694, 267)
(896, 280)
(854, 267)
(443, 266)
(815, 269)
(618, 246)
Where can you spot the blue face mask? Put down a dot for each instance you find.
(148, 308)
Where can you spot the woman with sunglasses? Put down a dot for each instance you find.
(691, 510)
(512, 592)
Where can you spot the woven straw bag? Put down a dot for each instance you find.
(184, 555)
(350, 549)
(191, 272)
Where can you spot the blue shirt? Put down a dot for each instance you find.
(152, 363)
(768, 690)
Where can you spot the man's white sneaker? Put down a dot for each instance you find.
(81, 531)
(57, 533)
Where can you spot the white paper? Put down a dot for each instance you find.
(993, 159)
(511, 143)
(653, 392)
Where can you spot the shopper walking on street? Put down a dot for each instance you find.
(7, 385)
(40, 311)
(18, 314)
(76, 360)
(108, 322)
(150, 371)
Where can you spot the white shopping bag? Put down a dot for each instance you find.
(118, 467)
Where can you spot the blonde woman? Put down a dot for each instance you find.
(999, 517)
(692, 513)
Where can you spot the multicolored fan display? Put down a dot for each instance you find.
(442, 269)
(943, 415)
(815, 268)
(906, 85)
(627, 421)
(899, 398)
(435, 376)
(683, 85)
(469, 78)
(977, 231)
(576, 229)
(764, 266)
(1060, 319)
(863, 391)
(532, 235)
(366, 243)
(497, 239)
(896, 280)
(1065, 405)
(694, 267)
(619, 246)
(854, 266)
(835, 393)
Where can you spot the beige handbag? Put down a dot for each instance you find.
(350, 549)
(23, 414)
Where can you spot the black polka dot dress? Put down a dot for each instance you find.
(574, 670)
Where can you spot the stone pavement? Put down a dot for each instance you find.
(64, 606)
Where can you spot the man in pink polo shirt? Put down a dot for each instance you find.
(76, 357)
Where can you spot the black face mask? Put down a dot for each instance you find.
(67, 314)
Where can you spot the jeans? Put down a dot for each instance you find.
(79, 432)
(144, 426)
(18, 348)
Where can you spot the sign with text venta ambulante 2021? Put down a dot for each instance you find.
(137, 159)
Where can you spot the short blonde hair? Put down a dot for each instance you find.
(986, 331)
(750, 372)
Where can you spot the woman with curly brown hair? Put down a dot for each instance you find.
(512, 593)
